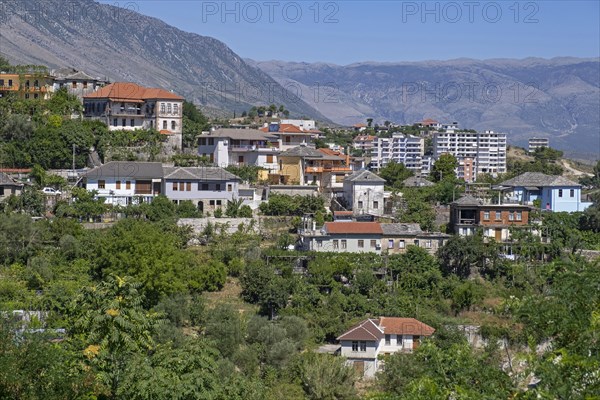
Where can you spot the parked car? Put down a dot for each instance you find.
(50, 191)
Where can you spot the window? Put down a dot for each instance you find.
(174, 186)
(416, 243)
(511, 216)
(336, 244)
(101, 184)
(498, 216)
(181, 186)
(128, 185)
(519, 215)
(36, 83)
(27, 83)
(176, 108)
(114, 122)
(571, 192)
(486, 215)
(211, 141)
(240, 159)
(85, 84)
(169, 108)
(355, 346)
(132, 122)
(74, 85)
(399, 340)
(361, 244)
(173, 125)
(390, 243)
(373, 243)
(401, 244)
(188, 186)
(363, 346)
(1, 82)
(360, 204)
(10, 82)
(202, 141)
(388, 339)
(164, 124)
(375, 205)
(229, 187)
(162, 108)
(269, 158)
(212, 202)
(428, 244)
(124, 122)
(118, 185)
(204, 186)
(218, 202)
(559, 192)
(344, 244)
(218, 187)
(35, 95)
(26, 95)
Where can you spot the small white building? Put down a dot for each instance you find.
(364, 193)
(364, 343)
(343, 237)
(124, 183)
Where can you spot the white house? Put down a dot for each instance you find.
(123, 183)
(343, 237)
(554, 193)
(240, 147)
(364, 343)
(364, 193)
(209, 188)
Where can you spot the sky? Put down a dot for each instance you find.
(344, 32)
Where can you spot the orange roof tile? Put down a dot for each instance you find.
(365, 330)
(353, 227)
(405, 326)
(128, 91)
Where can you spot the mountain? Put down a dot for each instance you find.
(557, 98)
(123, 45)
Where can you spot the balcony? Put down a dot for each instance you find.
(326, 168)
(242, 148)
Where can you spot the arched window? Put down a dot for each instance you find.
(164, 124)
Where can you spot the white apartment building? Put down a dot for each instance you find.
(400, 148)
(476, 152)
(536, 143)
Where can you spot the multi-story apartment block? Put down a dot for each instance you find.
(364, 143)
(536, 143)
(241, 147)
(400, 148)
(302, 165)
(128, 106)
(476, 152)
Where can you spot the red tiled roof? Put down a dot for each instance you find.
(405, 326)
(364, 137)
(128, 91)
(353, 227)
(330, 152)
(366, 330)
(342, 213)
(429, 121)
(15, 170)
(360, 126)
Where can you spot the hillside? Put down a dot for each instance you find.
(115, 42)
(557, 98)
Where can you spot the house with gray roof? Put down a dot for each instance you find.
(364, 193)
(398, 236)
(76, 82)
(125, 182)
(9, 186)
(416, 181)
(209, 188)
(554, 193)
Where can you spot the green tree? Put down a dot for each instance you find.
(325, 377)
(444, 168)
(394, 173)
(114, 326)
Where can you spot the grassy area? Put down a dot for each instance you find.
(229, 295)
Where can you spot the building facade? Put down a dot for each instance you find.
(343, 237)
(364, 193)
(128, 106)
(476, 152)
(364, 343)
(400, 148)
(397, 238)
(537, 143)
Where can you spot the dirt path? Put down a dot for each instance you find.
(572, 170)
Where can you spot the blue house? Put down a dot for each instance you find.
(555, 193)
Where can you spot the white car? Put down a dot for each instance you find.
(50, 191)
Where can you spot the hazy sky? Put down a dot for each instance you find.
(344, 32)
